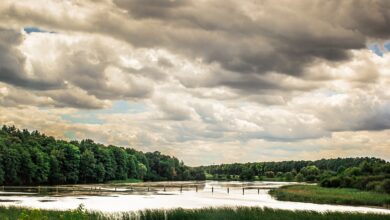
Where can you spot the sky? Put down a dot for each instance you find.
(207, 81)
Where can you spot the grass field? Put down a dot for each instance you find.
(240, 213)
(340, 196)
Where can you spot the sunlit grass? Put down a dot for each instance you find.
(239, 213)
(317, 194)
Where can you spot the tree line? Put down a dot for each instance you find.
(32, 158)
(365, 173)
(248, 171)
(367, 176)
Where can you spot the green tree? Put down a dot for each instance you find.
(87, 167)
(247, 174)
(132, 167)
(288, 176)
(120, 161)
(41, 160)
(11, 165)
(310, 172)
(100, 172)
(142, 170)
(27, 169)
(71, 162)
(56, 176)
(386, 185)
(299, 177)
(270, 174)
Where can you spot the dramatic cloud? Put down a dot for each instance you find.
(209, 81)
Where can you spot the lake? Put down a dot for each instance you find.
(161, 195)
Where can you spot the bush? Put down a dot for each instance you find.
(288, 176)
(332, 182)
(386, 185)
(310, 171)
(269, 174)
(299, 177)
(346, 181)
(386, 168)
(311, 178)
(353, 171)
(375, 186)
(325, 183)
(362, 181)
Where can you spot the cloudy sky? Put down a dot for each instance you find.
(208, 81)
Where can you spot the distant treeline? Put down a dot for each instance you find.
(261, 168)
(32, 158)
(362, 173)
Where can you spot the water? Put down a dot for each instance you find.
(133, 197)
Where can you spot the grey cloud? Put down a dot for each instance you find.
(171, 110)
(76, 98)
(376, 119)
(12, 63)
(151, 8)
(17, 97)
(222, 32)
(72, 97)
(83, 65)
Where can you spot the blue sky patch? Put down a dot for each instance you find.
(92, 116)
(82, 118)
(30, 30)
(376, 49)
(387, 46)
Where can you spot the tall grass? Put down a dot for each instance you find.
(239, 213)
(340, 196)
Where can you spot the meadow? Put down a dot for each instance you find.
(239, 213)
(339, 196)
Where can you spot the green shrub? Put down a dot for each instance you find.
(376, 186)
(333, 182)
(346, 181)
(289, 176)
(386, 185)
(299, 177)
(270, 174)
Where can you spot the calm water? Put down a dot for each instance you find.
(132, 197)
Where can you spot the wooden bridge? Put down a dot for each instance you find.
(100, 189)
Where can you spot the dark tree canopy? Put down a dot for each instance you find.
(32, 158)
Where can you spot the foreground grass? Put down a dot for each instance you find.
(322, 195)
(240, 213)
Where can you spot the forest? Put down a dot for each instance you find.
(364, 173)
(32, 158)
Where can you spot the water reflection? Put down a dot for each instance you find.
(156, 195)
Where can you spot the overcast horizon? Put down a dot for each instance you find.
(207, 81)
